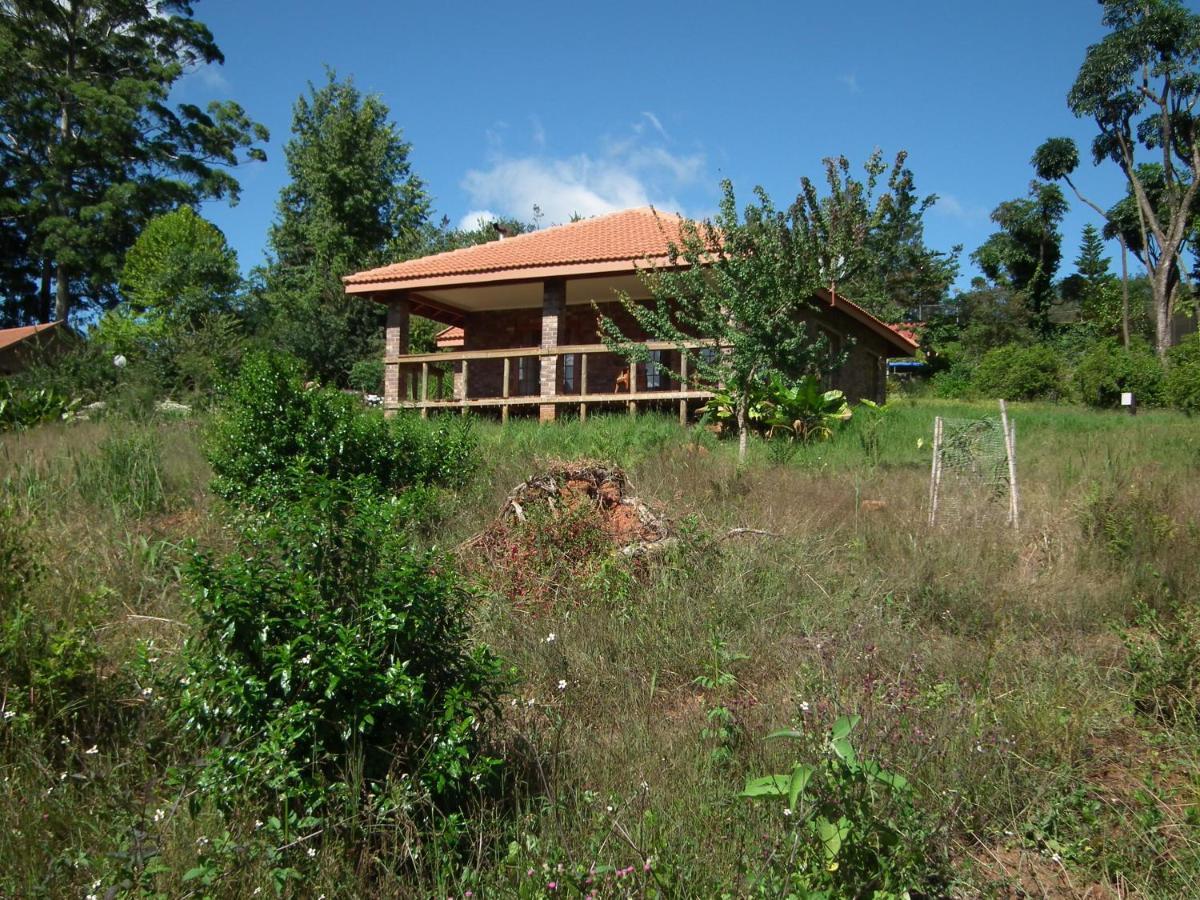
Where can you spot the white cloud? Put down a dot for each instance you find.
(951, 207)
(206, 76)
(621, 173)
(476, 218)
(539, 133)
(653, 120)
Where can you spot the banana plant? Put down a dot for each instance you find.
(800, 410)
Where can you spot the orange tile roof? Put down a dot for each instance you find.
(629, 237)
(619, 241)
(453, 336)
(10, 336)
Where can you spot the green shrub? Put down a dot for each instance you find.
(855, 829)
(366, 375)
(1019, 373)
(1108, 369)
(1181, 386)
(26, 407)
(952, 384)
(1128, 522)
(328, 651)
(1164, 662)
(273, 428)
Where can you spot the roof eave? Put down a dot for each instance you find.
(503, 276)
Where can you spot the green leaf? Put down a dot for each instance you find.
(844, 750)
(785, 733)
(801, 775)
(891, 779)
(832, 836)
(193, 874)
(768, 786)
(843, 726)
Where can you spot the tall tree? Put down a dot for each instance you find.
(353, 202)
(1101, 302)
(1091, 263)
(1025, 253)
(898, 273)
(1141, 85)
(90, 146)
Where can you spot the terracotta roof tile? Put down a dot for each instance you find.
(10, 336)
(453, 336)
(629, 236)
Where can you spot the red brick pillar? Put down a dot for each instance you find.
(554, 304)
(395, 385)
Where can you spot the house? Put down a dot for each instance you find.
(21, 346)
(527, 310)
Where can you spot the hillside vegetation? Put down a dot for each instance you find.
(1028, 701)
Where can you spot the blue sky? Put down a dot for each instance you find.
(588, 108)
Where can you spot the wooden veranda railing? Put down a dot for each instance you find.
(442, 381)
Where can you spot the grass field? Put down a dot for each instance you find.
(1038, 690)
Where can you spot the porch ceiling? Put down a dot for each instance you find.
(522, 295)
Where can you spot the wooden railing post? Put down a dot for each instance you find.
(504, 388)
(683, 385)
(633, 387)
(466, 390)
(424, 389)
(583, 388)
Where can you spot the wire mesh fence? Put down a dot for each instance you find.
(973, 478)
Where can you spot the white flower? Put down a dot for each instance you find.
(550, 638)
(92, 751)
(92, 897)
(305, 660)
(562, 685)
(312, 851)
(787, 812)
(8, 714)
(258, 824)
(64, 740)
(159, 815)
(609, 808)
(62, 777)
(185, 681)
(146, 692)
(804, 707)
(201, 841)
(530, 702)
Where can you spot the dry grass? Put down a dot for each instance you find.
(986, 665)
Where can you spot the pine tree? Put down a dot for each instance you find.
(1091, 263)
(92, 149)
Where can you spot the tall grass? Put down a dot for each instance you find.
(992, 669)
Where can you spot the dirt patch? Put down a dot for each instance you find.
(589, 484)
(557, 533)
(1017, 874)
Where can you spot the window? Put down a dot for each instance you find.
(568, 373)
(655, 377)
(528, 376)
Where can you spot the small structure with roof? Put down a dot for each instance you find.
(525, 311)
(21, 346)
